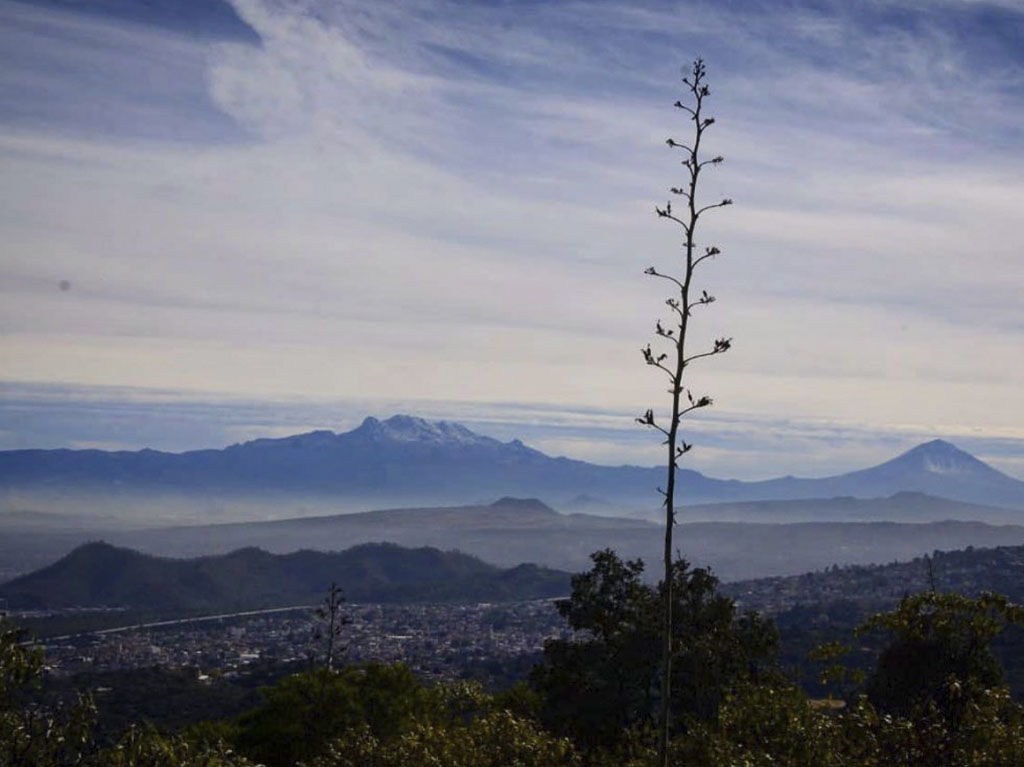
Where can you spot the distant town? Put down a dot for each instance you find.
(438, 641)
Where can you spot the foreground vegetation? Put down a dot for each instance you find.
(935, 697)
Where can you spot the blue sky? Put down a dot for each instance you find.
(273, 216)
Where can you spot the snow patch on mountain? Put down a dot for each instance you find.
(407, 428)
(941, 457)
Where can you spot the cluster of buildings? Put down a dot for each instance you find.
(438, 641)
(965, 571)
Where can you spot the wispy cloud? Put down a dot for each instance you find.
(452, 203)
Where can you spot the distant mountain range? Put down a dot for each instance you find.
(98, 574)
(506, 532)
(408, 461)
(904, 506)
(511, 531)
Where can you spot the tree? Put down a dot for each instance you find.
(39, 734)
(143, 746)
(31, 733)
(331, 622)
(674, 363)
(303, 712)
(935, 638)
(599, 688)
(464, 727)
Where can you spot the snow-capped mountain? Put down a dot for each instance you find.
(939, 457)
(409, 461)
(406, 428)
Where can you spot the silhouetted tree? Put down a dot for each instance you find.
(599, 687)
(678, 358)
(937, 637)
(331, 622)
(303, 712)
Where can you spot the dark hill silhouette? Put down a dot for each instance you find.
(99, 574)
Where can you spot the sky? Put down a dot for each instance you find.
(222, 221)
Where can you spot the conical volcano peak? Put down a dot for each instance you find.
(941, 457)
(939, 446)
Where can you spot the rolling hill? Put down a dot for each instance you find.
(509, 532)
(99, 574)
(965, 571)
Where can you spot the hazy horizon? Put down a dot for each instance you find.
(174, 424)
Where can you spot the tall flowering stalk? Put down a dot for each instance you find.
(672, 335)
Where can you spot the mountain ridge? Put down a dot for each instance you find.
(406, 460)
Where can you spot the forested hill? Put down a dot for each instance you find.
(966, 571)
(98, 574)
